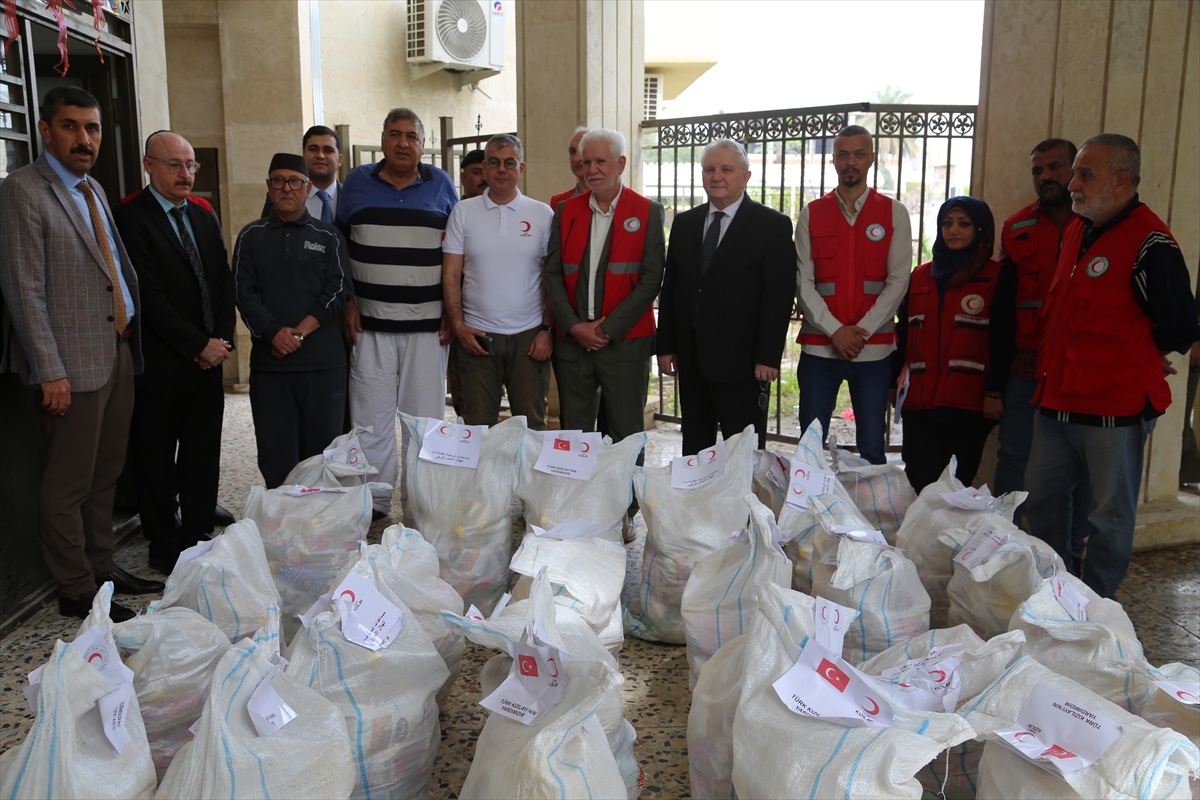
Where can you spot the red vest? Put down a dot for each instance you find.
(1098, 355)
(947, 348)
(628, 239)
(560, 197)
(1031, 240)
(850, 262)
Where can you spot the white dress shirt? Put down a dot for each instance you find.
(730, 211)
(601, 223)
(313, 203)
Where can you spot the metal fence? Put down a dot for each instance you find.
(924, 155)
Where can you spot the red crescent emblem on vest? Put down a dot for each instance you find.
(632, 224)
(972, 304)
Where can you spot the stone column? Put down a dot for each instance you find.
(579, 62)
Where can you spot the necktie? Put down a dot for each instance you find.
(712, 238)
(326, 206)
(121, 317)
(193, 256)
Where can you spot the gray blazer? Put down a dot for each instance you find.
(58, 298)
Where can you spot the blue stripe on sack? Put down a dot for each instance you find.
(229, 766)
(562, 787)
(414, 494)
(857, 759)
(1174, 786)
(786, 611)
(924, 727)
(816, 781)
(37, 726)
(1161, 765)
(861, 624)
(237, 621)
(208, 605)
(366, 512)
(887, 626)
(741, 591)
(233, 696)
(520, 460)
(262, 775)
(895, 514)
(649, 573)
(962, 766)
(990, 689)
(358, 742)
(722, 600)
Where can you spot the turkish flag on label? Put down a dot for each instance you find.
(569, 454)
(824, 686)
(528, 666)
(537, 685)
(562, 444)
(1058, 734)
(830, 672)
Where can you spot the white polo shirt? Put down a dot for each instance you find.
(502, 248)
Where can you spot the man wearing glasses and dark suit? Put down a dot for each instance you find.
(187, 329)
(725, 304)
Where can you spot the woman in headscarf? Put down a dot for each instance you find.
(955, 371)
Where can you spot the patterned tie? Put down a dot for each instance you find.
(189, 247)
(712, 238)
(121, 318)
(326, 206)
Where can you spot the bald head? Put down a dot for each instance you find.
(167, 153)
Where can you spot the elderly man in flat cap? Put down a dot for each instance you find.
(292, 279)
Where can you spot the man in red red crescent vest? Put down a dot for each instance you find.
(604, 267)
(1030, 241)
(1120, 302)
(854, 248)
(575, 154)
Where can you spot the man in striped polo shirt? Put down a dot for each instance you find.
(393, 215)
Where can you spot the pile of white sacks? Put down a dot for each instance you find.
(845, 638)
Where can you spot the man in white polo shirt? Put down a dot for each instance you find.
(493, 250)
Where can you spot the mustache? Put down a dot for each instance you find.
(84, 149)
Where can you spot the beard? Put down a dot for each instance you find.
(1096, 206)
(1053, 194)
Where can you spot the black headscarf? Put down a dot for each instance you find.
(962, 264)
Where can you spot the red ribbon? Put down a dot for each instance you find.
(10, 22)
(98, 22)
(64, 62)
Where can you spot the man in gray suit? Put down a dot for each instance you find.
(71, 293)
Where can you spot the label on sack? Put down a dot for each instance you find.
(570, 529)
(1074, 603)
(500, 605)
(267, 710)
(34, 689)
(777, 472)
(451, 444)
(822, 685)
(323, 604)
(971, 499)
(98, 649)
(303, 491)
(368, 618)
(856, 534)
(777, 534)
(569, 454)
(537, 684)
(349, 453)
(832, 623)
(1186, 692)
(1058, 734)
(932, 683)
(692, 472)
(807, 481)
(986, 541)
(194, 552)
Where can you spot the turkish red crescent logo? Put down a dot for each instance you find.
(353, 457)
(562, 444)
(443, 430)
(525, 226)
(584, 447)
(691, 462)
(1056, 751)
(528, 665)
(1019, 734)
(1187, 697)
(833, 674)
(712, 456)
(938, 672)
(466, 434)
(837, 614)
(551, 662)
(972, 304)
(94, 655)
(1059, 587)
(347, 592)
(869, 711)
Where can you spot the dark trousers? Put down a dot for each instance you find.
(296, 415)
(706, 404)
(190, 421)
(482, 381)
(84, 456)
(932, 435)
(820, 379)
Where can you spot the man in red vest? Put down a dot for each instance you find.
(1120, 301)
(575, 154)
(604, 267)
(854, 247)
(1030, 241)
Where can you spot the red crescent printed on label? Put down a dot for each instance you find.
(1187, 697)
(466, 434)
(348, 592)
(584, 447)
(94, 656)
(939, 672)
(824, 611)
(1019, 734)
(869, 711)
(837, 616)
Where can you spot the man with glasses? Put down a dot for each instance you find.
(292, 283)
(393, 215)
(187, 329)
(725, 304)
(492, 279)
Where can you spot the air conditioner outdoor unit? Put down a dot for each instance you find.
(465, 36)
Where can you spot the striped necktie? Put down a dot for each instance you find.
(121, 318)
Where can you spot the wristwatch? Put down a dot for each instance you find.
(299, 337)
(546, 328)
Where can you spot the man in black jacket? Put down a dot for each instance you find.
(291, 276)
(187, 326)
(725, 304)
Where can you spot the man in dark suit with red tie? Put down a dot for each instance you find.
(725, 304)
(188, 322)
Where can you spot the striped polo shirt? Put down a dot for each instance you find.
(395, 242)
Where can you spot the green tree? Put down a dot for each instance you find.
(894, 95)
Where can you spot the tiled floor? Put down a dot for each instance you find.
(1161, 595)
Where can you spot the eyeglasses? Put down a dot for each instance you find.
(295, 184)
(175, 166)
(763, 397)
(509, 163)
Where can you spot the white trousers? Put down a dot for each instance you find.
(390, 372)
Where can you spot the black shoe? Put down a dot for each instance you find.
(80, 607)
(222, 518)
(163, 562)
(124, 583)
(377, 515)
